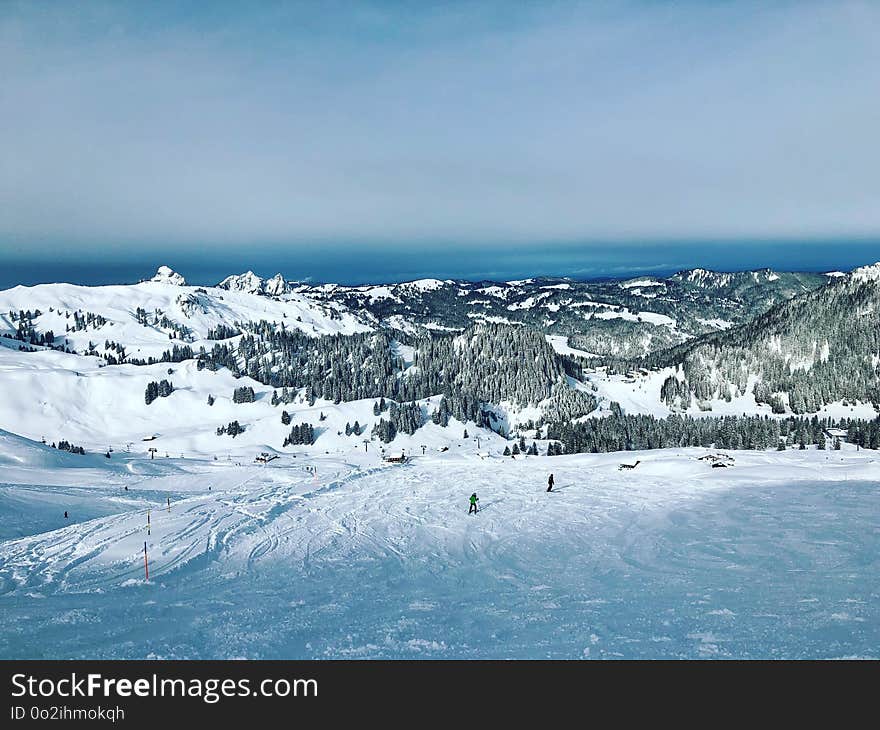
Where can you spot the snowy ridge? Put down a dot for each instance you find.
(250, 283)
(165, 275)
(707, 278)
(195, 310)
(867, 273)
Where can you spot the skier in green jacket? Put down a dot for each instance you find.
(474, 500)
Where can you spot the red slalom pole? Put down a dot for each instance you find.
(146, 564)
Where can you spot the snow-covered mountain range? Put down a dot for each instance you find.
(612, 317)
(499, 359)
(234, 439)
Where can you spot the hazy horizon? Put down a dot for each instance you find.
(375, 264)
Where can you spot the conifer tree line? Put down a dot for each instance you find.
(67, 446)
(162, 389)
(519, 447)
(244, 394)
(622, 432)
(159, 320)
(488, 364)
(303, 433)
(802, 354)
(83, 321)
(114, 354)
(624, 339)
(177, 353)
(26, 332)
(863, 433)
(385, 431)
(233, 428)
(111, 346)
(222, 332)
(402, 417)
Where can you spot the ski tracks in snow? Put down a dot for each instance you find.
(241, 527)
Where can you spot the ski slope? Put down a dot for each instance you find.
(343, 556)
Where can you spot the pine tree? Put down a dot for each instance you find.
(303, 433)
(244, 394)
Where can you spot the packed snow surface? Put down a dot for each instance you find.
(342, 556)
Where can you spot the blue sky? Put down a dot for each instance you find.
(312, 129)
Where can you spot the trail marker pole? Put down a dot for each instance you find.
(169, 505)
(148, 523)
(146, 564)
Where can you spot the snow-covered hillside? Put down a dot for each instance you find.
(633, 316)
(77, 397)
(173, 313)
(804, 355)
(342, 556)
(55, 395)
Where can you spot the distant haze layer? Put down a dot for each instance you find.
(377, 263)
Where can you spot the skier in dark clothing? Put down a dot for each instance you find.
(550, 484)
(65, 514)
(474, 500)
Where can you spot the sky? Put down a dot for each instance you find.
(334, 137)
